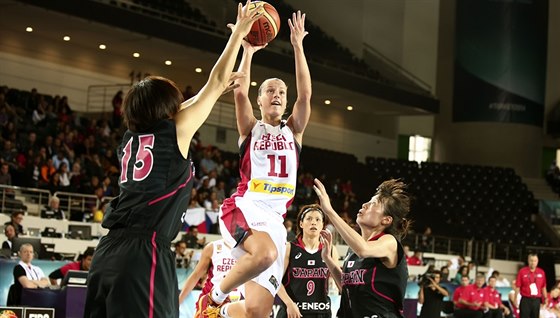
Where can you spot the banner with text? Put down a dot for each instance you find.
(500, 61)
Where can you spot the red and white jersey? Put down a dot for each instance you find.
(268, 168)
(221, 264)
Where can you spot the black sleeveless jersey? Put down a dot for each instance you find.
(306, 280)
(369, 288)
(155, 182)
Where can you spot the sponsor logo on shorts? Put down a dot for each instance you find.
(255, 224)
(317, 306)
(273, 281)
(262, 186)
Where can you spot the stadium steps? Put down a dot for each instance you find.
(540, 189)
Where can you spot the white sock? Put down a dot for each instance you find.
(223, 311)
(218, 295)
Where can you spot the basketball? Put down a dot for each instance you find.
(266, 28)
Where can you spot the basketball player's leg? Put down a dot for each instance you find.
(258, 303)
(260, 253)
(260, 291)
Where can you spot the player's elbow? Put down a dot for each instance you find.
(305, 96)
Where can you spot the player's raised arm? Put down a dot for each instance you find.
(302, 107)
(191, 118)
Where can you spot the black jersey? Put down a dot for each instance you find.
(369, 288)
(306, 280)
(155, 182)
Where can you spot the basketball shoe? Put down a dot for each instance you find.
(208, 308)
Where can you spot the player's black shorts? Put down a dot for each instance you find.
(132, 275)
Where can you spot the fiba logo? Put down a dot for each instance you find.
(39, 313)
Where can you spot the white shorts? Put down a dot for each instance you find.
(253, 215)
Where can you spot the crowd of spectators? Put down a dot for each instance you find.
(45, 145)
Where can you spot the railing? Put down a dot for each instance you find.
(167, 17)
(16, 198)
(384, 61)
(11, 199)
(32, 200)
(78, 206)
(100, 97)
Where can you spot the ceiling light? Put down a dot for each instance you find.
(327, 102)
(253, 83)
(66, 38)
(349, 107)
(168, 62)
(198, 70)
(136, 54)
(102, 46)
(29, 29)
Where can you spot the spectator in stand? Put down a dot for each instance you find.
(117, 109)
(444, 270)
(10, 233)
(472, 270)
(514, 301)
(60, 158)
(207, 164)
(94, 166)
(462, 272)
(15, 219)
(76, 177)
(47, 171)
(83, 264)
(39, 115)
(53, 210)
(188, 93)
(531, 284)
(30, 143)
(89, 186)
(416, 259)
(192, 240)
(64, 112)
(472, 300)
(9, 154)
(493, 302)
(500, 280)
(108, 189)
(64, 177)
(288, 224)
(427, 241)
(182, 256)
(54, 184)
(221, 191)
(456, 263)
(347, 190)
(5, 175)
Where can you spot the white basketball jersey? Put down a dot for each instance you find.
(222, 262)
(269, 164)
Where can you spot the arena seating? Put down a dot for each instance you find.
(480, 202)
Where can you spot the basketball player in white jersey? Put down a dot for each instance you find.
(215, 261)
(252, 218)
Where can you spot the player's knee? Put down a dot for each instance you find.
(266, 257)
(255, 310)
